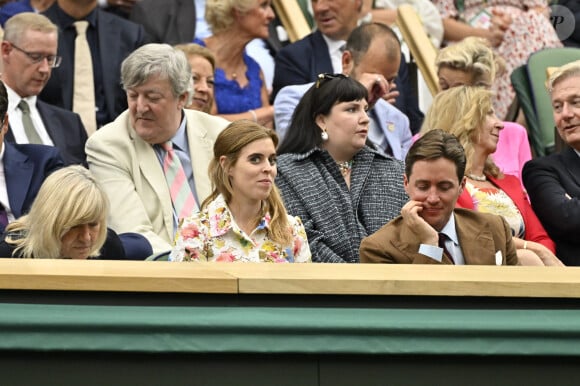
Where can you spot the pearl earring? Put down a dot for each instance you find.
(324, 136)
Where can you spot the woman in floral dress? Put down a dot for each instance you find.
(467, 113)
(243, 219)
(515, 28)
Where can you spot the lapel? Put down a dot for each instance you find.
(409, 248)
(152, 172)
(200, 153)
(572, 163)
(476, 241)
(381, 116)
(320, 57)
(18, 172)
(363, 161)
(48, 118)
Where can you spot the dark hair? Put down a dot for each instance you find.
(361, 37)
(433, 145)
(303, 132)
(3, 101)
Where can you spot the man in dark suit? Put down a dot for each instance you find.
(24, 168)
(28, 54)
(553, 182)
(166, 21)
(111, 39)
(430, 230)
(320, 52)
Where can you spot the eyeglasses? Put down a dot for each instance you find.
(52, 60)
(324, 77)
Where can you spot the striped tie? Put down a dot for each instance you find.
(181, 196)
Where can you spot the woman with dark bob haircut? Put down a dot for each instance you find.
(342, 189)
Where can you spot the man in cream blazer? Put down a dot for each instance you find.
(429, 230)
(125, 155)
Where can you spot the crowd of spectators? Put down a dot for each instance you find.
(179, 150)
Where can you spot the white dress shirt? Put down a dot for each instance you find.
(15, 117)
(335, 48)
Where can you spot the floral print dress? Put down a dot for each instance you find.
(213, 235)
(530, 31)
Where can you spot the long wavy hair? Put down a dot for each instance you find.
(462, 111)
(230, 143)
(68, 197)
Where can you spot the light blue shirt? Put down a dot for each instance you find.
(202, 29)
(388, 124)
(452, 245)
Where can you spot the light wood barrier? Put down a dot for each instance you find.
(292, 19)
(419, 44)
(157, 323)
(290, 279)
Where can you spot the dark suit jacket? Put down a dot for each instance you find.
(117, 39)
(66, 131)
(25, 168)
(166, 21)
(481, 235)
(302, 61)
(553, 184)
(513, 188)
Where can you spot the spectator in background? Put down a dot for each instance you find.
(244, 219)
(202, 64)
(110, 39)
(240, 91)
(430, 230)
(472, 62)
(29, 54)
(152, 160)
(553, 182)
(24, 168)
(372, 56)
(166, 21)
(341, 189)
(15, 7)
(467, 113)
(515, 28)
(321, 52)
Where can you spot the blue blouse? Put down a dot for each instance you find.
(230, 98)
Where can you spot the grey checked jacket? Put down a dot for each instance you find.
(336, 219)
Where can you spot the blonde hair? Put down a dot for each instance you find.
(68, 197)
(568, 70)
(193, 49)
(27, 21)
(219, 14)
(230, 143)
(462, 111)
(474, 56)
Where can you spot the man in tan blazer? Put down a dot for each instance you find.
(430, 230)
(126, 155)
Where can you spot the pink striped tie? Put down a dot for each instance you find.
(181, 196)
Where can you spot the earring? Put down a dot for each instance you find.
(324, 136)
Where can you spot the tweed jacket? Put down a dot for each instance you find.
(336, 219)
(481, 237)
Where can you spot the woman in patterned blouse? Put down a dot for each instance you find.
(467, 113)
(243, 219)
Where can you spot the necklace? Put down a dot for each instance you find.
(476, 178)
(345, 167)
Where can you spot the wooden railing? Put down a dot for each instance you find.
(316, 279)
